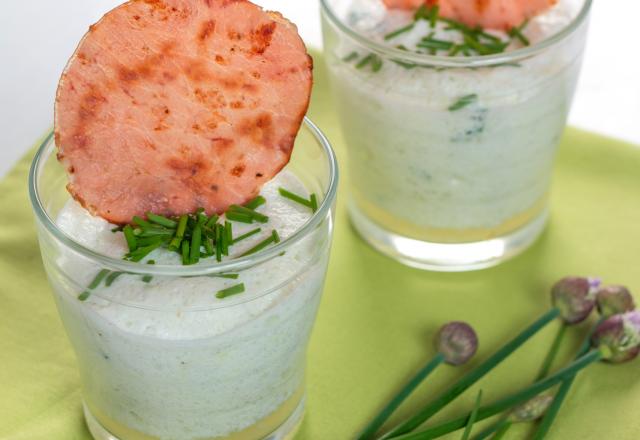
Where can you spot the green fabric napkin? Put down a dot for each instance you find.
(377, 318)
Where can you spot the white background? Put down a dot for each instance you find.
(38, 36)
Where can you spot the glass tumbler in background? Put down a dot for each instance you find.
(439, 185)
(164, 358)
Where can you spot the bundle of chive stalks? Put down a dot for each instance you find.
(614, 338)
(467, 40)
(196, 236)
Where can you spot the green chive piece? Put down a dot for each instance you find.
(276, 236)
(502, 430)
(142, 252)
(182, 227)
(397, 32)
(229, 229)
(247, 235)
(141, 222)
(421, 13)
(130, 237)
(472, 376)
(365, 61)
(234, 290)
(84, 296)
(254, 215)
(212, 221)
(258, 201)
(516, 33)
(156, 232)
(472, 417)
(376, 64)
(112, 277)
(352, 56)
(98, 279)
(463, 102)
(260, 246)
(311, 204)
(494, 428)
(218, 242)
(117, 229)
(196, 238)
(507, 402)
(223, 239)
(185, 253)
(162, 220)
(397, 400)
(238, 217)
(433, 16)
(147, 279)
(208, 246)
(314, 202)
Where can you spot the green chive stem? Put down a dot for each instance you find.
(261, 218)
(473, 376)
(247, 235)
(400, 31)
(400, 397)
(260, 246)
(508, 402)
(563, 390)
(98, 279)
(493, 428)
(233, 290)
(196, 241)
(113, 276)
(238, 217)
(182, 227)
(132, 243)
(162, 220)
(502, 430)
(472, 417)
(141, 222)
(185, 253)
(553, 351)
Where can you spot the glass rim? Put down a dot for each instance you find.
(461, 62)
(229, 266)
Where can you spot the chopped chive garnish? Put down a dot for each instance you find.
(196, 238)
(228, 227)
(433, 16)
(218, 242)
(516, 33)
(230, 291)
(156, 232)
(258, 201)
(84, 295)
(162, 220)
(224, 239)
(239, 217)
(141, 222)
(311, 204)
(208, 246)
(397, 32)
(405, 64)
(182, 226)
(132, 243)
(254, 215)
(98, 279)
(247, 235)
(147, 279)
(112, 277)
(352, 56)
(185, 252)
(263, 244)
(117, 229)
(276, 236)
(212, 221)
(463, 102)
(142, 252)
(366, 60)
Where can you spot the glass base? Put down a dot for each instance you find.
(286, 431)
(447, 257)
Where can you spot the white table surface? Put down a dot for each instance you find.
(38, 36)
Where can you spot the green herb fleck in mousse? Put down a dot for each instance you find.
(463, 102)
(467, 41)
(233, 290)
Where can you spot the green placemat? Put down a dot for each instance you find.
(377, 318)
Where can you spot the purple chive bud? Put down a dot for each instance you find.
(457, 342)
(574, 296)
(613, 300)
(618, 337)
(532, 409)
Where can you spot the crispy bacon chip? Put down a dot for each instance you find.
(171, 105)
(490, 14)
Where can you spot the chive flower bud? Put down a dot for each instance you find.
(575, 297)
(613, 300)
(531, 410)
(618, 337)
(458, 342)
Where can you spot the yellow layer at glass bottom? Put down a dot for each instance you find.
(447, 235)
(258, 430)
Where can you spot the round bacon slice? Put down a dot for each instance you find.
(171, 105)
(490, 14)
